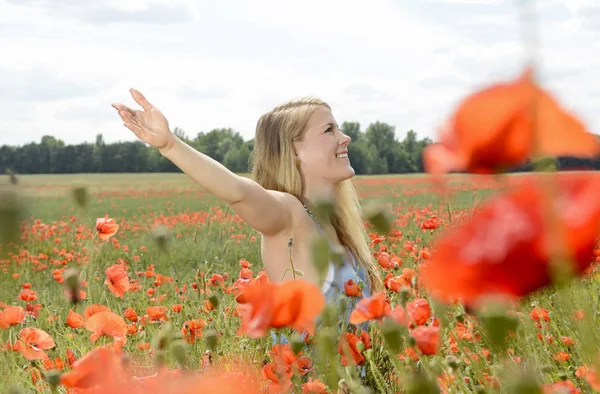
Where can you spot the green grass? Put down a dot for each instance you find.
(206, 238)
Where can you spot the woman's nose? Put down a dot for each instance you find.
(345, 139)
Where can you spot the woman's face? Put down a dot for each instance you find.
(323, 151)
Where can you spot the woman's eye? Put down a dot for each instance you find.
(329, 129)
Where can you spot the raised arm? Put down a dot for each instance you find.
(264, 210)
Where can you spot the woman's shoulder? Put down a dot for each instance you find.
(293, 204)
(288, 199)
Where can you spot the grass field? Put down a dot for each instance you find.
(184, 299)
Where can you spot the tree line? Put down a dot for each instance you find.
(376, 150)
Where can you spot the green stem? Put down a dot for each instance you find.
(290, 243)
(377, 375)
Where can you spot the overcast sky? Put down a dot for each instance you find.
(222, 63)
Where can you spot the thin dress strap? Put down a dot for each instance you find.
(312, 217)
(353, 260)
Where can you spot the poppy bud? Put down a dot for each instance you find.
(330, 316)
(392, 335)
(178, 350)
(323, 211)
(479, 389)
(177, 335)
(336, 256)
(360, 346)
(12, 212)
(452, 362)
(160, 358)
(321, 255)
(342, 304)
(404, 294)
(80, 195)
(163, 337)
(379, 219)
(161, 234)
(211, 338)
(297, 343)
(162, 342)
(71, 280)
(214, 300)
(497, 324)
(12, 176)
(419, 383)
(53, 379)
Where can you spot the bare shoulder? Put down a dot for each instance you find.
(292, 204)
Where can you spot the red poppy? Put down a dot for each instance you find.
(503, 125)
(12, 316)
(33, 343)
(75, 320)
(374, 307)
(428, 339)
(504, 248)
(294, 304)
(99, 365)
(117, 280)
(106, 227)
(106, 323)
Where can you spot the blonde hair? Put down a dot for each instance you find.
(274, 168)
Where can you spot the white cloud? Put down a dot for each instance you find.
(210, 64)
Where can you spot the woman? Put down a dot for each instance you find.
(300, 157)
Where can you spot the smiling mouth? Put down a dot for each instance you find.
(341, 155)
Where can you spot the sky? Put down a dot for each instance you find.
(211, 64)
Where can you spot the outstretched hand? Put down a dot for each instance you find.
(149, 125)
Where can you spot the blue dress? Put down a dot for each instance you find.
(333, 286)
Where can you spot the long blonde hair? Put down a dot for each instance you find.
(274, 168)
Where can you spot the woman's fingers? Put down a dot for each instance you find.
(121, 107)
(140, 99)
(126, 117)
(137, 130)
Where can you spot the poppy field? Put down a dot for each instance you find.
(145, 284)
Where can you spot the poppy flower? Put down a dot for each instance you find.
(99, 365)
(293, 303)
(11, 316)
(93, 309)
(504, 249)
(502, 126)
(278, 376)
(428, 339)
(74, 320)
(106, 227)
(117, 280)
(34, 341)
(352, 288)
(106, 323)
(347, 346)
(156, 313)
(314, 386)
(419, 311)
(374, 307)
(130, 315)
